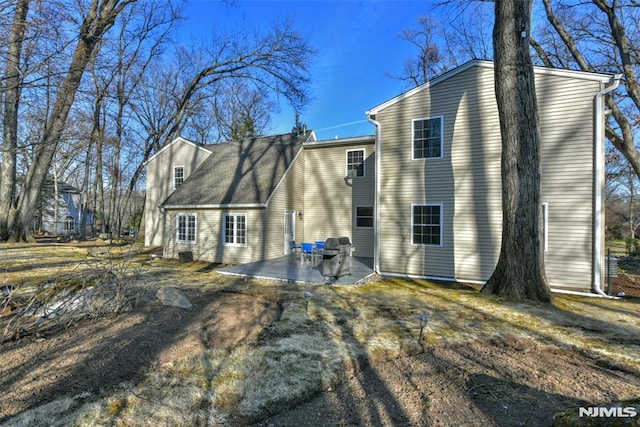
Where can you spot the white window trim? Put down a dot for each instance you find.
(174, 175)
(441, 205)
(195, 227)
(346, 163)
(413, 122)
(545, 225)
(69, 223)
(224, 229)
(355, 216)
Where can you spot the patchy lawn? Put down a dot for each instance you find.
(253, 352)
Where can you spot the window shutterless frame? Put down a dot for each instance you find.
(234, 229)
(364, 216)
(186, 226)
(355, 163)
(426, 224)
(427, 138)
(178, 176)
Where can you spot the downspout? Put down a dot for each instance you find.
(598, 184)
(376, 229)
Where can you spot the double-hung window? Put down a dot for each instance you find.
(186, 228)
(235, 229)
(427, 138)
(364, 216)
(178, 176)
(355, 163)
(426, 224)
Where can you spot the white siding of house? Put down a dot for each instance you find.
(466, 181)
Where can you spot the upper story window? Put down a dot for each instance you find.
(427, 138)
(186, 228)
(178, 176)
(426, 224)
(355, 163)
(235, 230)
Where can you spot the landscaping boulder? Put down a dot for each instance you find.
(173, 297)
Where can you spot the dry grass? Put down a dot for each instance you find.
(308, 351)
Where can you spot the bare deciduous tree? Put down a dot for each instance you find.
(600, 36)
(462, 35)
(276, 62)
(98, 18)
(12, 90)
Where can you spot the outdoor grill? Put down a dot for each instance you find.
(336, 257)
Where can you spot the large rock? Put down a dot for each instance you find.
(173, 297)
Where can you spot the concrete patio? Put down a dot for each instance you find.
(288, 268)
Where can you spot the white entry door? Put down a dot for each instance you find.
(289, 230)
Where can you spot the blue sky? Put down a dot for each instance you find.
(357, 45)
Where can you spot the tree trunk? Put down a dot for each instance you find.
(12, 89)
(519, 273)
(99, 187)
(84, 194)
(100, 17)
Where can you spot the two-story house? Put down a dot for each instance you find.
(423, 198)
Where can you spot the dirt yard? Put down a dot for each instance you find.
(502, 378)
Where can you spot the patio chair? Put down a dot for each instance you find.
(319, 247)
(307, 253)
(295, 246)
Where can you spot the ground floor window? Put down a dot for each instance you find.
(426, 224)
(186, 228)
(364, 216)
(69, 223)
(235, 229)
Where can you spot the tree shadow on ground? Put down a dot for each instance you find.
(95, 355)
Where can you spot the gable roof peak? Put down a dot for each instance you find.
(483, 63)
(239, 173)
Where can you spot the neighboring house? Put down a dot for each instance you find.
(61, 210)
(422, 197)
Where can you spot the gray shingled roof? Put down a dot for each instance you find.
(239, 172)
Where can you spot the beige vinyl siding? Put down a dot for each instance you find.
(330, 199)
(476, 164)
(265, 227)
(209, 244)
(287, 197)
(160, 183)
(405, 182)
(566, 119)
(467, 180)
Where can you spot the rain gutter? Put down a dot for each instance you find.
(598, 184)
(376, 227)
